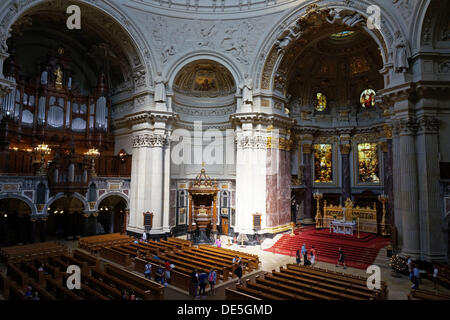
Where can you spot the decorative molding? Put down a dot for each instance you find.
(149, 140)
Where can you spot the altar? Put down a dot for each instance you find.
(343, 227)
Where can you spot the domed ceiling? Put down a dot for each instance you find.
(204, 79)
(339, 65)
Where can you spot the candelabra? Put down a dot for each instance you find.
(44, 150)
(318, 219)
(384, 230)
(92, 154)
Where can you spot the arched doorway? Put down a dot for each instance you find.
(65, 219)
(15, 225)
(111, 215)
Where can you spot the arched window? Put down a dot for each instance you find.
(225, 199)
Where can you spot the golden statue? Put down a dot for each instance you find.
(58, 82)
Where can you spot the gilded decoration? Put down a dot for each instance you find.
(323, 163)
(368, 166)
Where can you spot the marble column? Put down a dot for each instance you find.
(307, 160)
(95, 215)
(85, 225)
(397, 201)
(345, 159)
(149, 180)
(432, 237)
(409, 189)
(386, 147)
(43, 229)
(33, 230)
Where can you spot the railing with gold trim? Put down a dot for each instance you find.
(366, 216)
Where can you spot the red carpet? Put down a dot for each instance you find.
(359, 253)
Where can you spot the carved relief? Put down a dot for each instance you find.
(149, 140)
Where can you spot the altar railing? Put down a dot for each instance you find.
(366, 218)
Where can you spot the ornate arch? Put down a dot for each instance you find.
(110, 194)
(62, 195)
(133, 42)
(265, 72)
(22, 198)
(173, 70)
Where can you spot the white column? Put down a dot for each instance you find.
(166, 201)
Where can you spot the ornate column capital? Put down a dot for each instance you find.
(307, 148)
(428, 125)
(345, 148)
(149, 140)
(384, 146)
(407, 126)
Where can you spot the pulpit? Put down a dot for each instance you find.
(202, 208)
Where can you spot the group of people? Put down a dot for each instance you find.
(162, 273)
(414, 274)
(30, 295)
(200, 281)
(129, 296)
(311, 261)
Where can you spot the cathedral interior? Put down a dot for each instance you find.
(243, 119)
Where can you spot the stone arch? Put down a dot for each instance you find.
(22, 198)
(421, 17)
(137, 51)
(109, 194)
(183, 61)
(61, 195)
(264, 71)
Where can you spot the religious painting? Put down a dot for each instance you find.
(359, 65)
(320, 102)
(323, 163)
(367, 98)
(205, 81)
(368, 166)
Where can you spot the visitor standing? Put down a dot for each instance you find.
(341, 259)
(194, 280)
(148, 270)
(238, 272)
(202, 279)
(313, 254)
(212, 276)
(435, 276)
(298, 259)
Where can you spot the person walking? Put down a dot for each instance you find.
(303, 250)
(313, 254)
(148, 270)
(212, 276)
(298, 259)
(202, 280)
(416, 277)
(435, 276)
(238, 272)
(341, 259)
(167, 269)
(306, 262)
(194, 281)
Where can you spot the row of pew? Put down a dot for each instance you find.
(94, 244)
(99, 281)
(183, 255)
(31, 251)
(296, 282)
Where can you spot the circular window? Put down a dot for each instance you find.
(367, 98)
(320, 103)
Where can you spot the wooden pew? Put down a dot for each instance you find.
(85, 257)
(31, 270)
(288, 295)
(156, 289)
(43, 293)
(102, 288)
(60, 291)
(4, 286)
(14, 273)
(257, 294)
(231, 294)
(420, 294)
(120, 284)
(115, 256)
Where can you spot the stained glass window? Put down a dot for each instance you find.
(367, 98)
(323, 163)
(342, 35)
(320, 102)
(368, 168)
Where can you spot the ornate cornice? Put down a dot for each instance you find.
(145, 117)
(404, 127)
(264, 118)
